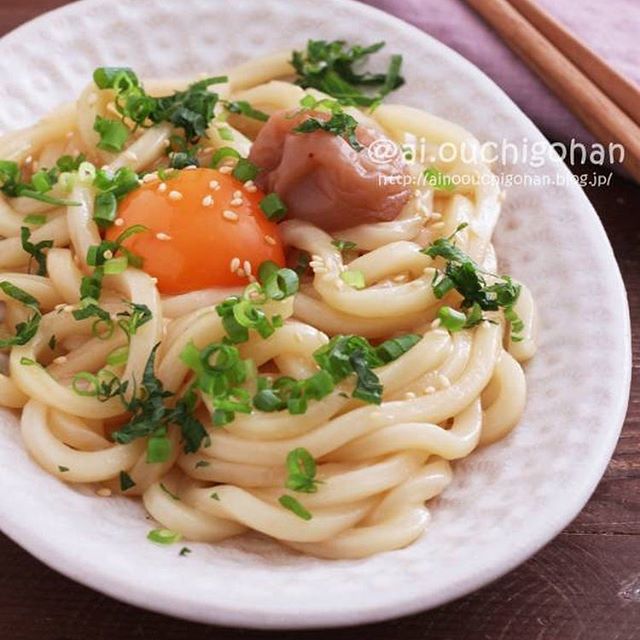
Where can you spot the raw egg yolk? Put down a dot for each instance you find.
(204, 229)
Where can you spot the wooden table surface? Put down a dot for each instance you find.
(583, 585)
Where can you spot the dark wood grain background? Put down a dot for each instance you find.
(584, 585)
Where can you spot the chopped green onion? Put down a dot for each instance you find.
(301, 471)
(113, 134)
(277, 283)
(115, 265)
(245, 170)
(290, 503)
(114, 78)
(184, 551)
(105, 209)
(118, 356)
(164, 536)
(451, 319)
(225, 133)
(392, 349)
(354, 279)
(273, 207)
(27, 362)
(221, 154)
(35, 219)
(85, 384)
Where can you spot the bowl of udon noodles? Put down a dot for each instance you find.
(259, 306)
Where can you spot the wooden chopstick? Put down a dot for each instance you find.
(599, 113)
(621, 90)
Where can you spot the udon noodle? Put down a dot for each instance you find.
(377, 464)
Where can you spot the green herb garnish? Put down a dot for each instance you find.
(244, 108)
(36, 251)
(463, 275)
(191, 110)
(126, 482)
(340, 124)
(27, 329)
(329, 67)
(344, 245)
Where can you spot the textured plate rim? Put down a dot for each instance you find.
(253, 617)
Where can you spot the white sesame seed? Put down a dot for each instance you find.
(162, 187)
(60, 360)
(234, 265)
(225, 169)
(214, 184)
(429, 390)
(251, 189)
(409, 395)
(190, 167)
(154, 280)
(248, 183)
(118, 222)
(207, 201)
(444, 381)
(247, 267)
(28, 160)
(236, 202)
(166, 143)
(148, 177)
(270, 240)
(103, 492)
(417, 193)
(163, 236)
(175, 195)
(237, 193)
(68, 308)
(230, 215)
(108, 254)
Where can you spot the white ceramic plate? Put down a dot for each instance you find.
(506, 501)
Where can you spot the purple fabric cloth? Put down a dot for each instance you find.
(611, 28)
